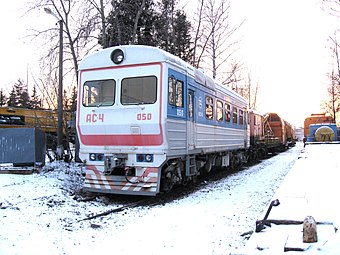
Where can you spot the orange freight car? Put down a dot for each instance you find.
(275, 126)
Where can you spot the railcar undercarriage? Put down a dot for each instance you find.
(180, 171)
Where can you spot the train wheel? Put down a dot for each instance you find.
(167, 185)
(263, 153)
(171, 176)
(207, 166)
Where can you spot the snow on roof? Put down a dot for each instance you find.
(133, 54)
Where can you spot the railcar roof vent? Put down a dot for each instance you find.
(206, 81)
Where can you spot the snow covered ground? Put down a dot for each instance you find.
(40, 215)
(311, 188)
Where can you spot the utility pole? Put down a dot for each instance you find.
(60, 148)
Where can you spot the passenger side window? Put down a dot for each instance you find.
(234, 115)
(241, 117)
(227, 112)
(219, 110)
(209, 107)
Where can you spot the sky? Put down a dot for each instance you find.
(18, 51)
(283, 44)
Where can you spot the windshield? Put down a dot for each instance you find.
(139, 90)
(136, 90)
(99, 93)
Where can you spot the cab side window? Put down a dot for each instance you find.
(175, 90)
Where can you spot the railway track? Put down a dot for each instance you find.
(119, 209)
(128, 202)
(163, 198)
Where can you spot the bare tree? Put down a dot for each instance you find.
(46, 84)
(198, 35)
(214, 44)
(101, 11)
(332, 7)
(335, 50)
(332, 105)
(251, 92)
(80, 23)
(248, 90)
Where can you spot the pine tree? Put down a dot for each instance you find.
(142, 22)
(173, 30)
(164, 28)
(130, 22)
(12, 100)
(35, 101)
(19, 96)
(182, 37)
(22, 94)
(24, 99)
(73, 100)
(2, 98)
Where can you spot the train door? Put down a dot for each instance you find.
(191, 121)
(177, 113)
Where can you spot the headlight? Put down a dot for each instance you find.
(148, 158)
(144, 158)
(92, 157)
(117, 56)
(96, 157)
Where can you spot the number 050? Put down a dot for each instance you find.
(144, 116)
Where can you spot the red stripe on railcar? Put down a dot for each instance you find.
(97, 181)
(122, 140)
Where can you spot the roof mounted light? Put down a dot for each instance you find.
(117, 56)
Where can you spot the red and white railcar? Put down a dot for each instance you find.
(147, 121)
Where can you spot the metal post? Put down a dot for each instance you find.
(60, 148)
